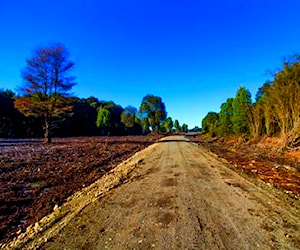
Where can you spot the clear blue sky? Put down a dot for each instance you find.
(194, 54)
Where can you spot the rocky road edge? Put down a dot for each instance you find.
(42, 231)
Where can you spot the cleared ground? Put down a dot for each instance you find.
(173, 195)
(36, 177)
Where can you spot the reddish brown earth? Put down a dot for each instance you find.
(175, 195)
(264, 160)
(35, 177)
(172, 195)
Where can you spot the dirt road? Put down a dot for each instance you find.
(179, 196)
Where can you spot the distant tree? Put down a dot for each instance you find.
(46, 85)
(184, 128)
(196, 129)
(241, 105)
(145, 125)
(116, 126)
(154, 110)
(133, 124)
(177, 126)
(8, 94)
(82, 122)
(162, 128)
(103, 119)
(128, 116)
(225, 118)
(7, 111)
(12, 122)
(209, 123)
(93, 101)
(168, 124)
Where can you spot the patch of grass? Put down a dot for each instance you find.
(39, 184)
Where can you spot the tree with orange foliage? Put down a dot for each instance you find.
(46, 86)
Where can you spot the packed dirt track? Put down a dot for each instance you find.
(172, 195)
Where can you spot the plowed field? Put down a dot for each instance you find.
(36, 177)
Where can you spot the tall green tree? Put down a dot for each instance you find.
(128, 116)
(263, 102)
(225, 118)
(131, 121)
(154, 110)
(103, 119)
(168, 124)
(145, 125)
(177, 126)
(184, 128)
(116, 126)
(209, 123)
(241, 112)
(46, 86)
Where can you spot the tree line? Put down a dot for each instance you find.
(44, 107)
(274, 113)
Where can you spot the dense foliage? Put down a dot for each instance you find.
(153, 109)
(275, 112)
(88, 117)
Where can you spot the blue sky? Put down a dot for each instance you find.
(194, 54)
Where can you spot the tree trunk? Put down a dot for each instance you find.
(47, 134)
(157, 129)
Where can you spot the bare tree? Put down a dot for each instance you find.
(46, 85)
(281, 102)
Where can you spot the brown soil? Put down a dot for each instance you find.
(172, 195)
(263, 160)
(36, 177)
(175, 195)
